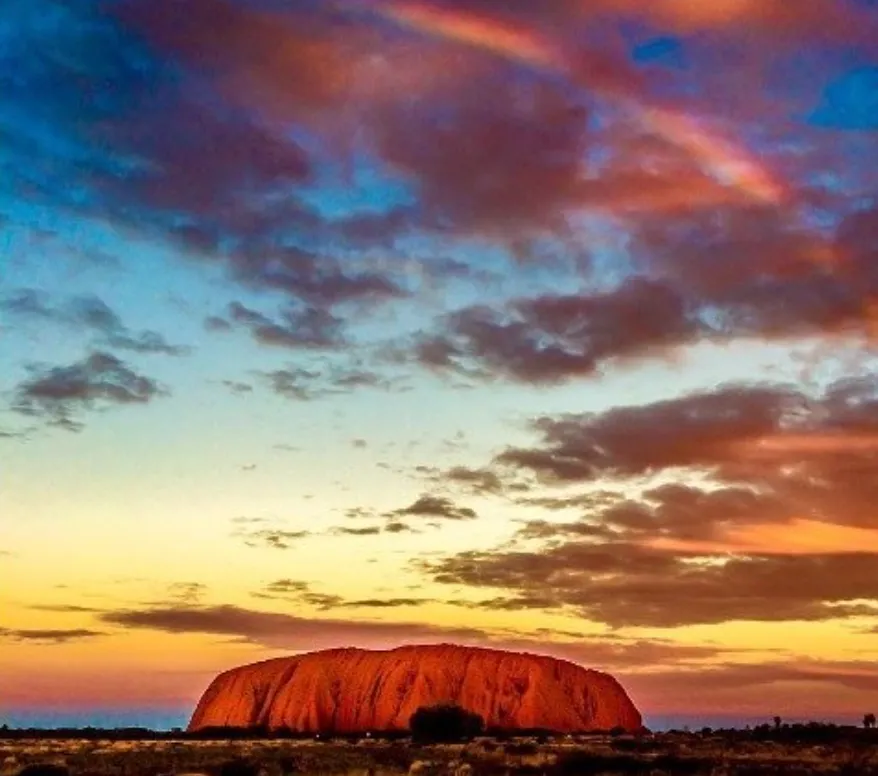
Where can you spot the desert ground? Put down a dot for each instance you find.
(717, 754)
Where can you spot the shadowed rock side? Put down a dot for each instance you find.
(348, 690)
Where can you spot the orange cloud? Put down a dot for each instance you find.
(826, 443)
(781, 19)
(796, 537)
(481, 31)
(724, 160)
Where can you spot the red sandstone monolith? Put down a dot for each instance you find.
(350, 690)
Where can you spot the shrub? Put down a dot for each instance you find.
(44, 769)
(445, 723)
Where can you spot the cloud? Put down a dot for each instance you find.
(478, 480)
(436, 507)
(65, 608)
(281, 630)
(797, 687)
(505, 167)
(623, 584)
(90, 313)
(225, 119)
(300, 591)
(238, 387)
(180, 141)
(372, 530)
(303, 633)
(430, 507)
(385, 603)
(187, 592)
(552, 338)
(310, 328)
(308, 384)
(217, 323)
(273, 538)
(699, 429)
(695, 510)
(775, 19)
(752, 273)
(48, 635)
(98, 380)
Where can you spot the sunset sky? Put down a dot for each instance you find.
(539, 325)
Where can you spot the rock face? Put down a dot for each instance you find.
(350, 690)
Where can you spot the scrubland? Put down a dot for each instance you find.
(653, 755)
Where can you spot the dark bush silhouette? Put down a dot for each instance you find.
(44, 769)
(868, 720)
(585, 763)
(444, 722)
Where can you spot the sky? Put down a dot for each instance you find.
(540, 326)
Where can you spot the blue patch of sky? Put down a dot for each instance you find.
(366, 189)
(663, 50)
(66, 70)
(850, 101)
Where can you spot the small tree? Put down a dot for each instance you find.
(869, 720)
(444, 722)
(777, 721)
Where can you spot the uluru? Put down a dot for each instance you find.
(353, 690)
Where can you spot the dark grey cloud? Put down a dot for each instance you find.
(693, 430)
(553, 338)
(99, 380)
(438, 507)
(309, 328)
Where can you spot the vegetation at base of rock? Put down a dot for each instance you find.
(762, 751)
(444, 722)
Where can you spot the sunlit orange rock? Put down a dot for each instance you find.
(348, 690)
